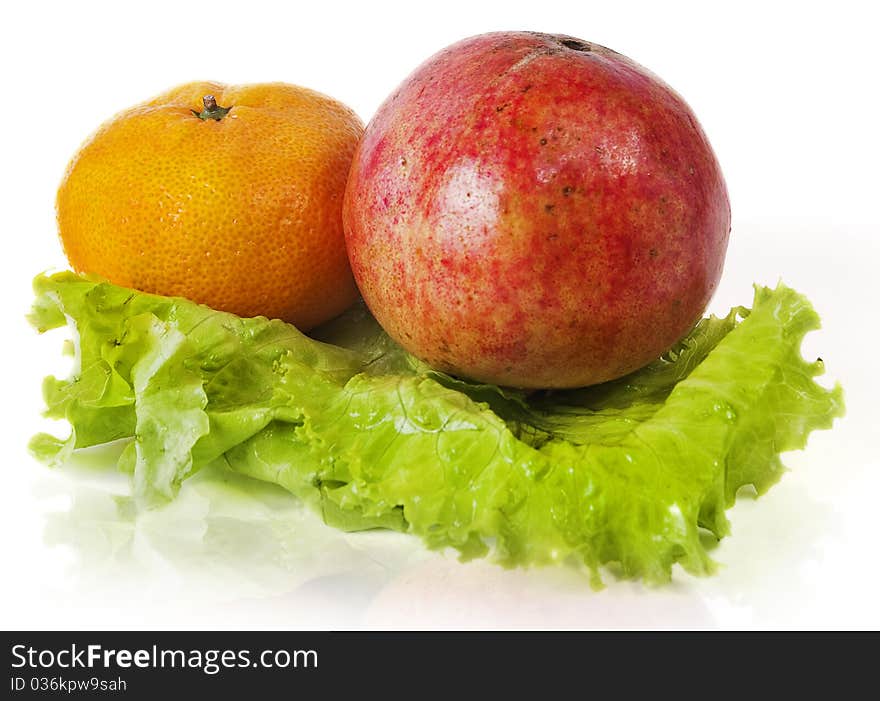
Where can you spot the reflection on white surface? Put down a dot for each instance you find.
(233, 552)
(226, 543)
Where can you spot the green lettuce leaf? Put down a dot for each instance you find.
(633, 473)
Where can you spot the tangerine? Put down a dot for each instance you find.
(230, 196)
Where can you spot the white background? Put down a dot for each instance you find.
(787, 93)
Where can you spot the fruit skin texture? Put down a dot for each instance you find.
(535, 211)
(243, 214)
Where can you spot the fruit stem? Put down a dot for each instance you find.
(212, 109)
